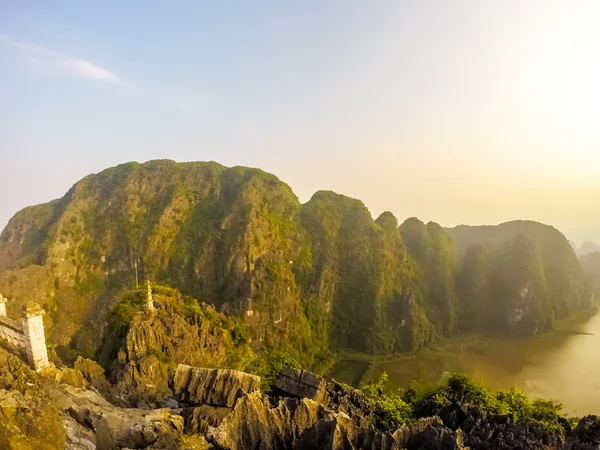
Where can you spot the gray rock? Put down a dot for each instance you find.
(199, 419)
(302, 384)
(288, 424)
(117, 427)
(216, 387)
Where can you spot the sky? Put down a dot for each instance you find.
(460, 112)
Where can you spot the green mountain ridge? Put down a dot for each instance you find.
(306, 278)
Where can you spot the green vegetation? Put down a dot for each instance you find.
(390, 410)
(394, 409)
(513, 401)
(307, 279)
(269, 365)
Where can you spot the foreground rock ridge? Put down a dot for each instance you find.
(304, 278)
(226, 409)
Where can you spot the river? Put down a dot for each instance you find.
(562, 366)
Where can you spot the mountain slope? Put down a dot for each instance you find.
(591, 268)
(529, 259)
(304, 278)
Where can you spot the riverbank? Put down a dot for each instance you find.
(560, 365)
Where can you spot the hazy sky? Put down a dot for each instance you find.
(454, 111)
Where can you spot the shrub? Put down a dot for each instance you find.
(270, 365)
(390, 411)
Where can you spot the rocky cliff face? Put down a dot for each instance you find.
(303, 278)
(141, 348)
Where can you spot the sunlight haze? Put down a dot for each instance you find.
(473, 112)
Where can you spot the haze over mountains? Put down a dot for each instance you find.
(305, 277)
(586, 248)
(246, 277)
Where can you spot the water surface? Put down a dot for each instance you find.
(563, 366)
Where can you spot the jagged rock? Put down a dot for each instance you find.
(199, 419)
(351, 402)
(92, 372)
(482, 431)
(117, 427)
(217, 387)
(196, 342)
(302, 384)
(147, 372)
(436, 436)
(586, 434)
(72, 377)
(257, 423)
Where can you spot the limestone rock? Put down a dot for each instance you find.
(217, 387)
(196, 342)
(117, 427)
(352, 402)
(257, 423)
(303, 384)
(92, 372)
(72, 377)
(200, 419)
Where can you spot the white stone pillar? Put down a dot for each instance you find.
(35, 339)
(3, 301)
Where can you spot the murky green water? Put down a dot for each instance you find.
(564, 366)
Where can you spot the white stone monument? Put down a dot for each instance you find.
(35, 340)
(149, 298)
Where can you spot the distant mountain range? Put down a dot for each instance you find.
(586, 248)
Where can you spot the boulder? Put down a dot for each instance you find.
(302, 384)
(118, 427)
(92, 372)
(216, 387)
(71, 376)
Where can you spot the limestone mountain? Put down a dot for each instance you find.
(304, 278)
(520, 276)
(587, 247)
(591, 268)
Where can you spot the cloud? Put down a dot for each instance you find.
(88, 70)
(48, 60)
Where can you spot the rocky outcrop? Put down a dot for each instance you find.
(199, 419)
(196, 342)
(147, 375)
(257, 423)
(586, 435)
(352, 402)
(71, 377)
(302, 384)
(216, 387)
(93, 373)
(481, 430)
(115, 427)
(290, 423)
